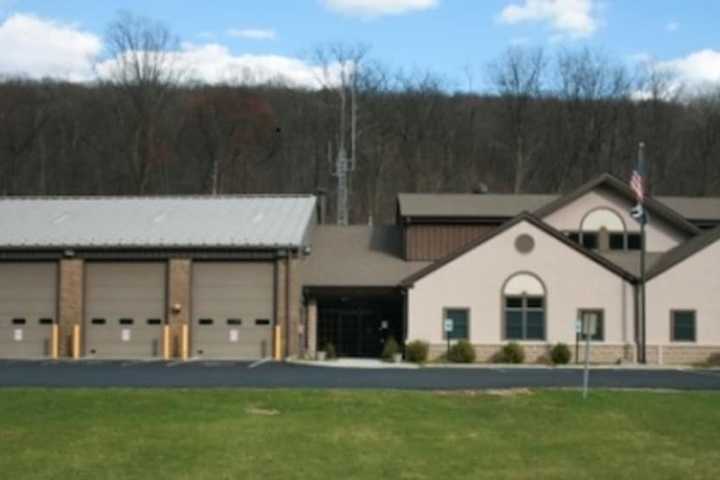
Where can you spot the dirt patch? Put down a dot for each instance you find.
(266, 412)
(506, 392)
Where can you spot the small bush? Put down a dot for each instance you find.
(461, 352)
(417, 351)
(390, 349)
(560, 354)
(330, 351)
(714, 360)
(511, 353)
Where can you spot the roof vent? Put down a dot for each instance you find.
(60, 218)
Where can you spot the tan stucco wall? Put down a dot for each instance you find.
(475, 281)
(660, 236)
(693, 284)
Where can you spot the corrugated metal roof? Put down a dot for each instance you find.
(122, 222)
(356, 256)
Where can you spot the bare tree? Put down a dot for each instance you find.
(517, 76)
(142, 66)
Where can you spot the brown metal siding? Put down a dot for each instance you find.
(435, 241)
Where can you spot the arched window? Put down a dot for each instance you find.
(524, 307)
(604, 229)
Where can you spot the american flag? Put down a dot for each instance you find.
(637, 180)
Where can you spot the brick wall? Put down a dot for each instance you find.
(540, 353)
(71, 302)
(178, 300)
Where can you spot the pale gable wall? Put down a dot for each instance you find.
(693, 284)
(660, 235)
(475, 280)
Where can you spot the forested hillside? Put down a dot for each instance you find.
(546, 124)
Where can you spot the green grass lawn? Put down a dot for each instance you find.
(288, 434)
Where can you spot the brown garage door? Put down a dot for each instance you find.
(28, 299)
(124, 309)
(232, 309)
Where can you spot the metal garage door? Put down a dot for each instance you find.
(28, 300)
(232, 309)
(124, 309)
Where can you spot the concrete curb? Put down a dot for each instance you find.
(376, 365)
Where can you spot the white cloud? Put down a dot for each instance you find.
(672, 26)
(374, 8)
(38, 47)
(252, 33)
(695, 69)
(215, 63)
(572, 17)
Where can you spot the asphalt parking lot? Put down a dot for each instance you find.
(231, 374)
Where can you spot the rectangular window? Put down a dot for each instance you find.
(234, 321)
(683, 326)
(98, 321)
(590, 240)
(459, 317)
(18, 321)
(617, 241)
(262, 321)
(599, 335)
(634, 241)
(205, 321)
(524, 318)
(45, 321)
(154, 321)
(126, 321)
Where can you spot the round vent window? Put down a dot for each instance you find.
(524, 243)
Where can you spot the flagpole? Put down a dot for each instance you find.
(643, 221)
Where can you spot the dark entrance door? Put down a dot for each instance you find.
(353, 332)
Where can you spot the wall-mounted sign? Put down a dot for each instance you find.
(234, 335)
(125, 334)
(18, 335)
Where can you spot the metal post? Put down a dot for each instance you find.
(586, 375)
(643, 221)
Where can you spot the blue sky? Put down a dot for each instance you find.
(446, 36)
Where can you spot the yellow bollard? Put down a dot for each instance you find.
(76, 342)
(184, 342)
(54, 342)
(166, 342)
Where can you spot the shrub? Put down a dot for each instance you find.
(560, 354)
(330, 351)
(461, 352)
(714, 360)
(417, 351)
(511, 353)
(390, 349)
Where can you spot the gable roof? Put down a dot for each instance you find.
(129, 222)
(694, 208)
(535, 221)
(606, 180)
(683, 251)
